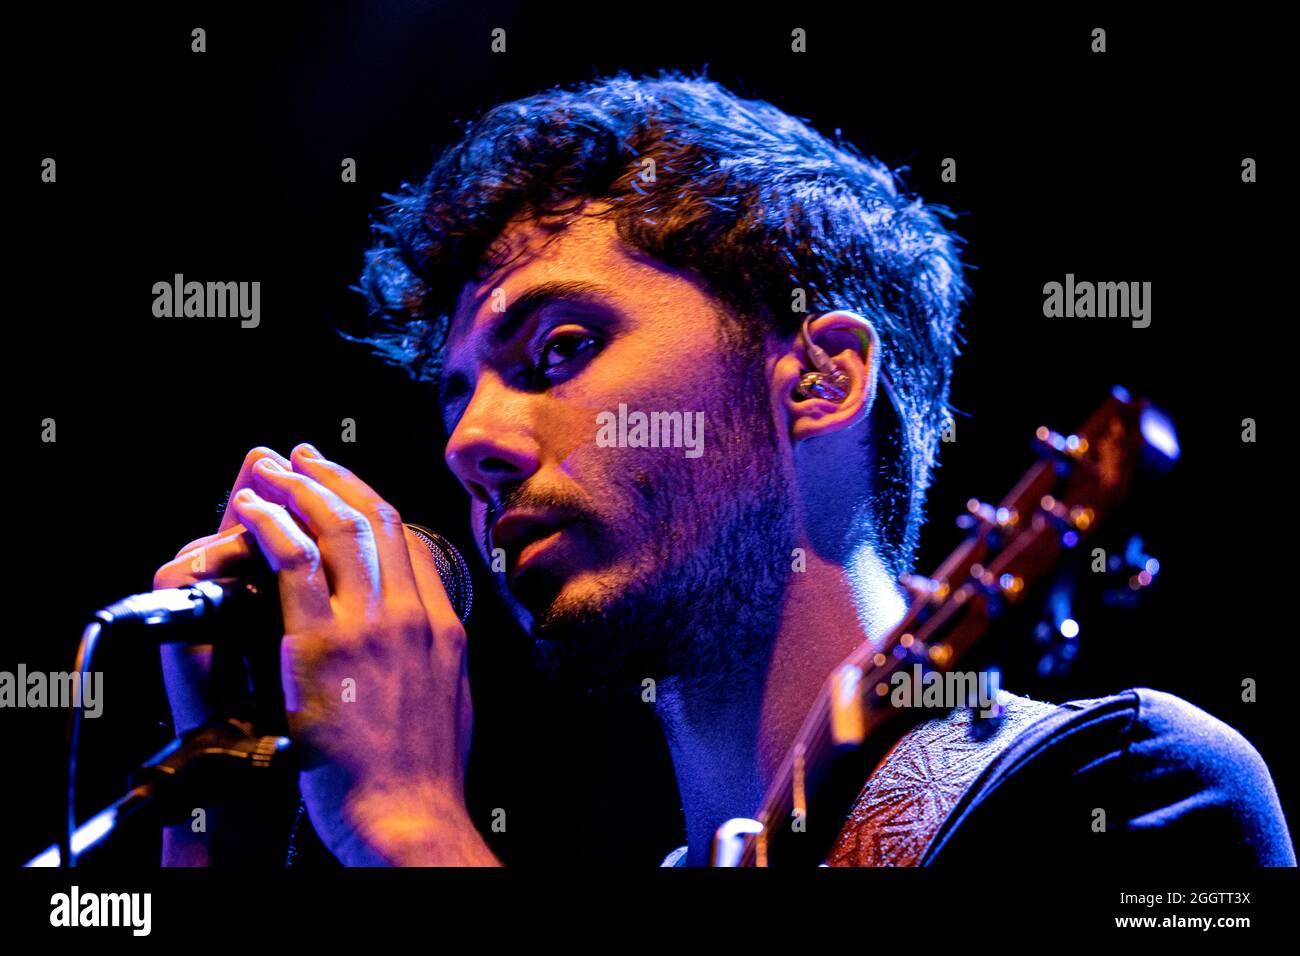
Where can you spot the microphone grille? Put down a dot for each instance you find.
(452, 569)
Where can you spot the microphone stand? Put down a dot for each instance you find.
(206, 764)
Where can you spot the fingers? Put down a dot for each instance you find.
(292, 555)
(320, 527)
(449, 643)
(386, 524)
(245, 479)
(343, 534)
(215, 556)
(433, 595)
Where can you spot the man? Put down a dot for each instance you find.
(654, 247)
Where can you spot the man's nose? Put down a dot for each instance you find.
(492, 446)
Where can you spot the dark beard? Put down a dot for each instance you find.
(708, 613)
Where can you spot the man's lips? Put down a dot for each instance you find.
(532, 551)
(515, 530)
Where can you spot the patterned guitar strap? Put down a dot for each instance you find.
(918, 783)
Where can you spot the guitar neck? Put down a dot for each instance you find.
(854, 722)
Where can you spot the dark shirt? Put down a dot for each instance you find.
(1177, 787)
(1140, 778)
(1174, 786)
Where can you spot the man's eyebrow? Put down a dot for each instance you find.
(518, 312)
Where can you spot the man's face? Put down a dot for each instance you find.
(647, 561)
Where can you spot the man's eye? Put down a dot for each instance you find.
(563, 347)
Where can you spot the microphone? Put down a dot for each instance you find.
(186, 615)
(171, 611)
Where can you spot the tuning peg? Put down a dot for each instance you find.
(1144, 567)
(1131, 574)
(920, 586)
(1071, 519)
(1002, 587)
(1068, 447)
(984, 578)
(977, 511)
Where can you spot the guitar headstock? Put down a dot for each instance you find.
(1077, 481)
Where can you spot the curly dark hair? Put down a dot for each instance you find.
(753, 201)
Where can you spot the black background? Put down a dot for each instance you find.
(225, 166)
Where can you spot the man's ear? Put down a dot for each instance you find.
(851, 342)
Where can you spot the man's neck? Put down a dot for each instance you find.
(728, 744)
